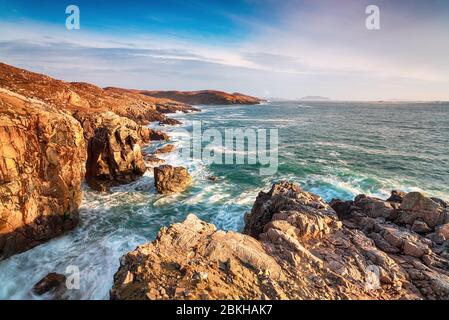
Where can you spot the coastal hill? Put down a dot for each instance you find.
(205, 97)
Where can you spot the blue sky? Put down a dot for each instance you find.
(269, 48)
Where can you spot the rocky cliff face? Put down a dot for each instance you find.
(42, 157)
(50, 132)
(206, 97)
(298, 247)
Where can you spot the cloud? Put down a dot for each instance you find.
(318, 49)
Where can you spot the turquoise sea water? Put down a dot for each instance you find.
(332, 149)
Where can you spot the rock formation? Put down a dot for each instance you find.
(205, 97)
(53, 283)
(297, 247)
(48, 130)
(169, 180)
(42, 166)
(114, 154)
(169, 148)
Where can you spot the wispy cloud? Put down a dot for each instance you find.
(318, 49)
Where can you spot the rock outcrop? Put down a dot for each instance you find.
(47, 129)
(169, 148)
(205, 97)
(170, 180)
(297, 248)
(42, 166)
(114, 154)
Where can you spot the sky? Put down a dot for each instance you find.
(268, 48)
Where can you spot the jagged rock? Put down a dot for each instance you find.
(114, 154)
(169, 180)
(302, 251)
(166, 149)
(375, 208)
(153, 161)
(416, 201)
(342, 208)
(192, 259)
(420, 227)
(396, 196)
(42, 165)
(443, 231)
(421, 259)
(415, 249)
(52, 283)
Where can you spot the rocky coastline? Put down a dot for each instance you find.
(54, 136)
(296, 246)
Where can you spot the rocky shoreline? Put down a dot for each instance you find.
(296, 246)
(55, 135)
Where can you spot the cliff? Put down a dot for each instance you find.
(296, 246)
(53, 136)
(42, 157)
(206, 97)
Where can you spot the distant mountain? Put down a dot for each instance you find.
(205, 97)
(313, 98)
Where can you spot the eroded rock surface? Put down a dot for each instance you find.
(169, 180)
(47, 128)
(42, 166)
(114, 153)
(297, 248)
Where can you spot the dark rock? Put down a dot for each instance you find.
(342, 208)
(51, 283)
(396, 196)
(420, 227)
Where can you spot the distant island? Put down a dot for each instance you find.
(315, 98)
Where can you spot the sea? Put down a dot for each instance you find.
(333, 149)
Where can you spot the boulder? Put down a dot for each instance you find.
(42, 166)
(415, 249)
(342, 208)
(295, 247)
(52, 283)
(170, 180)
(396, 196)
(166, 149)
(416, 201)
(375, 208)
(443, 231)
(192, 260)
(420, 227)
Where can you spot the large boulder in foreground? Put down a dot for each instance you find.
(192, 260)
(170, 180)
(42, 166)
(296, 248)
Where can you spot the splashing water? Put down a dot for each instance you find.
(332, 149)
